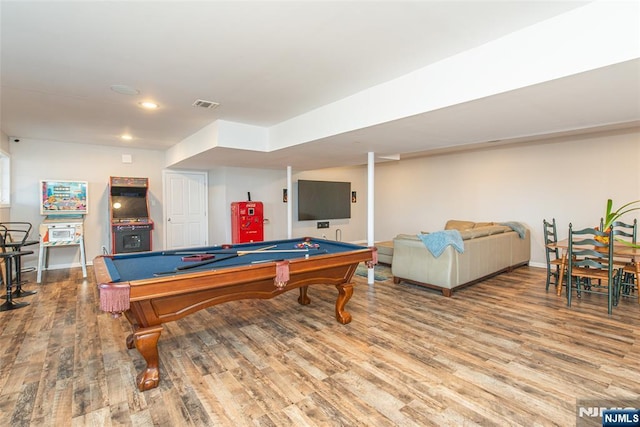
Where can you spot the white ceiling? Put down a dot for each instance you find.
(266, 62)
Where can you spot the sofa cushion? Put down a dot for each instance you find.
(455, 224)
(385, 252)
(483, 231)
(483, 224)
(408, 237)
(475, 232)
(496, 229)
(385, 248)
(472, 234)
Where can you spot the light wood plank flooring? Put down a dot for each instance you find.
(502, 352)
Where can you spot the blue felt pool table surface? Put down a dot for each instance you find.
(145, 265)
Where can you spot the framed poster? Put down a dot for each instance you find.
(64, 197)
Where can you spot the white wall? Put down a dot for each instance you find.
(569, 179)
(346, 230)
(227, 185)
(33, 160)
(4, 142)
(5, 212)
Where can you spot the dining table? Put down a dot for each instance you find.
(620, 251)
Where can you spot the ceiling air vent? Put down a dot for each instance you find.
(205, 104)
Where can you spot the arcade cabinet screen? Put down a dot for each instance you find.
(129, 203)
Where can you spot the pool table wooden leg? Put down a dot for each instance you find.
(130, 342)
(304, 299)
(146, 341)
(344, 295)
(134, 325)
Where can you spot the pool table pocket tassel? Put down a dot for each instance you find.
(114, 298)
(282, 274)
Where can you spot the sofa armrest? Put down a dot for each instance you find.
(520, 249)
(413, 261)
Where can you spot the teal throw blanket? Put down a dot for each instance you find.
(517, 227)
(437, 241)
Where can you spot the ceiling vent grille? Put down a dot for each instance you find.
(205, 104)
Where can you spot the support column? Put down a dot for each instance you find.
(370, 206)
(289, 204)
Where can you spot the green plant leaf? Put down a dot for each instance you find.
(611, 216)
(626, 243)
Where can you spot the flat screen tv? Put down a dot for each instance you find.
(320, 200)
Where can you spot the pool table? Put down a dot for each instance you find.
(152, 288)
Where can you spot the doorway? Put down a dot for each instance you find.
(186, 209)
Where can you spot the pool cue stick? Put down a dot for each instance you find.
(222, 250)
(190, 253)
(264, 261)
(323, 251)
(271, 252)
(211, 252)
(211, 261)
(183, 271)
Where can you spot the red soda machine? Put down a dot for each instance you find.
(247, 221)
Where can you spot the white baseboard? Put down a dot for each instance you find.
(60, 266)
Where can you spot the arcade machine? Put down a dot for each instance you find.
(131, 226)
(247, 222)
(64, 204)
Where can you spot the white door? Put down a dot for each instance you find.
(185, 195)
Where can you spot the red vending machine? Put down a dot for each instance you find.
(247, 220)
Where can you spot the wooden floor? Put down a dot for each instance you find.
(502, 352)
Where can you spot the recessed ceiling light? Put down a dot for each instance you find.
(127, 137)
(148, 105)
(125, 90)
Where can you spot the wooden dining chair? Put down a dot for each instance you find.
(554, 259)
(625, 233)
(589, 265)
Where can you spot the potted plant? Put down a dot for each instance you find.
(612, 216)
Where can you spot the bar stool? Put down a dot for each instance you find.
(7, 258)
(16, 236)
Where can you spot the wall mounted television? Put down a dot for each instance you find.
(321, 200)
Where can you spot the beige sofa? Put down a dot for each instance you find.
(385, 252)
(489, 249)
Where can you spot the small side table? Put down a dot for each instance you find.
(60, 232)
